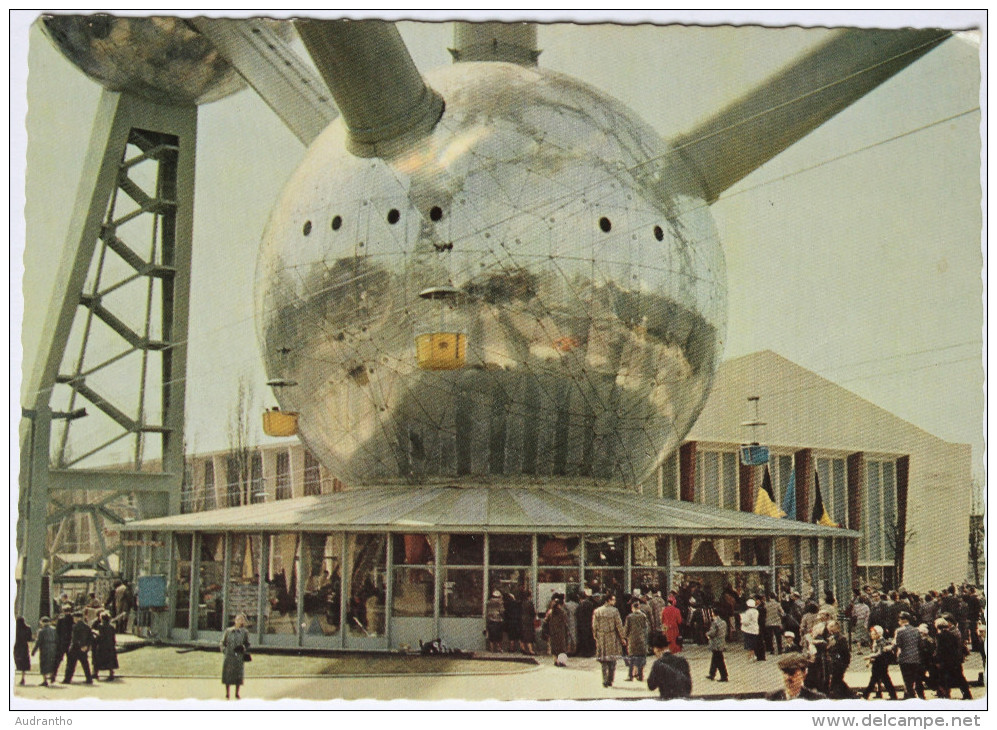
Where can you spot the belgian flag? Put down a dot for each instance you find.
(765, 499)
(820, 514)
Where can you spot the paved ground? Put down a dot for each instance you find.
(499, 679)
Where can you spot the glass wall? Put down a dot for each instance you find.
(414, 575)
(649, 562)
(604, 560)
(510, 558)
(322, 562)
(368, 555)
(558, 567)
(462, 591)
(210, 587)
(282, 584)
(183, 553)
(244, 578)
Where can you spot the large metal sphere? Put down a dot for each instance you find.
(591, 291)
(162, 59)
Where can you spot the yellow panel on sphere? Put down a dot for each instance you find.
(441, 350)
(280, 423)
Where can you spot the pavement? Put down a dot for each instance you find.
(534, 680)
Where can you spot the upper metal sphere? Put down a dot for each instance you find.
(162, 59)
(582, 269)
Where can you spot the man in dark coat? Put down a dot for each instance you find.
(63, 635)
(670, 674)
(950, 655)
(794, 672)
(583, 618)
(79, 649)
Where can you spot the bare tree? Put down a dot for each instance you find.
(241, 444)
(977, 555)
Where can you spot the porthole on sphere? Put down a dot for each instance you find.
(605, 225)
(393, 216)
(435, 213)
(658, 233)
(337, 222)
(307, 228)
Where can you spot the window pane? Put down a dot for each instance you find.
(463, 549)
(212, 578)
(322, 568)
(649, 550)
(840, 492)
(413, 592)
(313, 476)
(605, 581)
(826, 487)
(282, 487)
(181, 580)
(604, 550)
(413, 549)
(463, 592)
(209, 485)
(244, 575)
(510, 550)
(257, 491)
(785, 473)
(697, 495)
(558, 550)
(368, 559)
(282, 586)
(711, 478)
(874, 489)
(730, 480)
(889, 507)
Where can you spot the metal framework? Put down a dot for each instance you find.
(115, 345)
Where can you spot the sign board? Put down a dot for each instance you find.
(152, 591)
(546, 590)
(754, 455)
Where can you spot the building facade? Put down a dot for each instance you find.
(907, 492)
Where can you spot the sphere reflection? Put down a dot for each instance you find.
(589, 287)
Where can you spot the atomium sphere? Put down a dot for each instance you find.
(162, 59)
(532, 293)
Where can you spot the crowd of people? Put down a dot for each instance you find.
(928, 637)
(86, 629)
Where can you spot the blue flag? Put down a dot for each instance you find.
(789, 498)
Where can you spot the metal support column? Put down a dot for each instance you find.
(107, 199)
(194, 602)
(389, 581)
(437, 587)
(345, 581)
(299, 588)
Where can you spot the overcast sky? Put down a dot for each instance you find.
(856, 253)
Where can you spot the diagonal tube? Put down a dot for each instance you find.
(794, 102)
(372, 78)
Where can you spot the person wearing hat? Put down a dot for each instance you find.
(789, 643)
(494, 620)
(671, 623)
(908, 641)
(636, 629)
(950, 655)
(794, 673)
(716, 635)
(750, 629)
(47, 648)
(670, 674)
(79, 649)
(105, 651)
(607, 628)
(64, 633)
(22, 642)
(555, 626)
(879, 659)
(583, 622)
